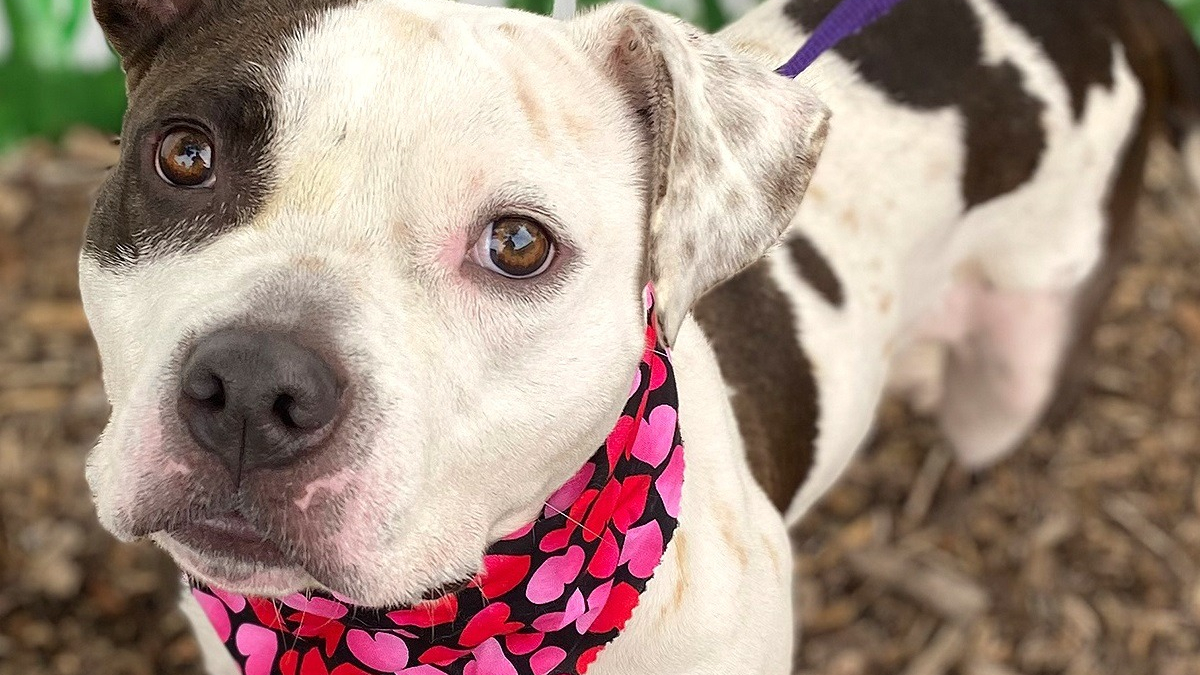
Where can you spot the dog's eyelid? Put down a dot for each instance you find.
(522, 203)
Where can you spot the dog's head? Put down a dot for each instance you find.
(367, 280)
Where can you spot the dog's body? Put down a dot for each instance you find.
(975, 189)
(958, 223)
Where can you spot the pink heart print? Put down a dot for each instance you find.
(382, 651)
(259, 645)
(215, 610)
(654, 439)
(542, 662)
(553, 621)
(490, 660)
(643, 549)
(550, 580)
(670, 483)
(317, 606)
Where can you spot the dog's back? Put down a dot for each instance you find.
(961, 229)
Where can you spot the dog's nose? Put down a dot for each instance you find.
(257, 398)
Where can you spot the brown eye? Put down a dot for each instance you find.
(185, 158)
(517, 248)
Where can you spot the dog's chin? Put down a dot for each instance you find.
(240, 563)
(258, 568)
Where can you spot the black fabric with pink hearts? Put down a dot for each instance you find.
(550, 596)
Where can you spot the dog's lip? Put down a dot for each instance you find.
(229, 536)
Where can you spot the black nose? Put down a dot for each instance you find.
(257, 398)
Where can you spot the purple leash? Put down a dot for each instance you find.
(848, 18)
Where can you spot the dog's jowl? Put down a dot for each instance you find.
(368, 286)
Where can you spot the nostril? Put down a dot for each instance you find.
(205, 388)
(285, 410)
(306, 411)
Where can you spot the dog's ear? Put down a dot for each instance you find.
(730, 148)
(136, 27)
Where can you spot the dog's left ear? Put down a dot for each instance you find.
(135, 27)
(730, 148)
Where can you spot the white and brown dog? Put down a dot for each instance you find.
(389, 226)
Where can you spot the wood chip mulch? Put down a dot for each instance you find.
(1081, 554)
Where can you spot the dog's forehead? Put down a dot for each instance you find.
(424, 110)
(396, 81)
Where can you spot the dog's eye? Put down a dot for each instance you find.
(517, 248)
(185, 158)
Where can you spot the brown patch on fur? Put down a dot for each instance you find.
(850, 220)
(579, 127)
(406, 25)
(928, 56)
(1077, 36)
(776, 563)
(532, 108)
(193, 65)
(309, 263)
(885, 303)
(729, 528)
(681, 579)
(815, 270)
(750, 324)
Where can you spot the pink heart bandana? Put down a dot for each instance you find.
(550, 595)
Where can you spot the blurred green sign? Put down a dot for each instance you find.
(55, 70)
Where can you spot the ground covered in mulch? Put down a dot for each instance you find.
(1078, 555)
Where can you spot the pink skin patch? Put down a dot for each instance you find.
(334, 485)
(176, 467)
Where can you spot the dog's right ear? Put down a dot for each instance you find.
(135, 28)
(729, 148)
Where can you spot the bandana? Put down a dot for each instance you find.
(550, 595)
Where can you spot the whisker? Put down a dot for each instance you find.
(570, 519)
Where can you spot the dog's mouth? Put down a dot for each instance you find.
(229, 552)
(230, 537)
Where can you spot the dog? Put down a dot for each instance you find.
(316, 204)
